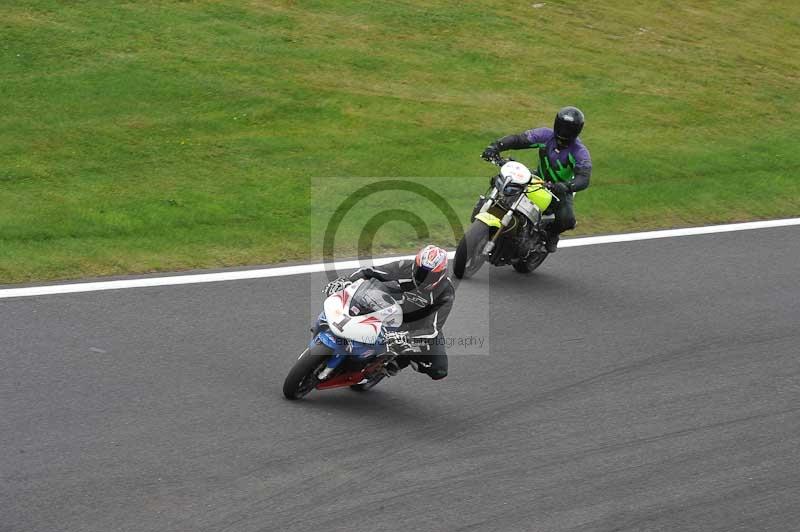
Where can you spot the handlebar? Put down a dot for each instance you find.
(498, 161)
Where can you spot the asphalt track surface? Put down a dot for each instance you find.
(650, 385)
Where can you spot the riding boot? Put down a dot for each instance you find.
(394, 366)
(552, 241)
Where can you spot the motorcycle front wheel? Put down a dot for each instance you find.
(468, 259)
(302, 378)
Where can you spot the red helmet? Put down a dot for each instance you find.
(430, 267)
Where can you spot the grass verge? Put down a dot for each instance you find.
(148, 136)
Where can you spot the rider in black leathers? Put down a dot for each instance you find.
(426, 296)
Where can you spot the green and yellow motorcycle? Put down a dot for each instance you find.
(508, 223)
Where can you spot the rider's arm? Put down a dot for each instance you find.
(583, 169)
(387, 272)
(430, 326)
(512, 142)
(537, 137)
(368, 273)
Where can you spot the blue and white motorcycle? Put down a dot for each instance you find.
(349, 346)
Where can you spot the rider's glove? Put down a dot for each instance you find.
(337, 285)
(397, 341)
(557, 188)
(491, 152)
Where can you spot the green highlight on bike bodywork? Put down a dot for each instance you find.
(489, 219)
(540, 197)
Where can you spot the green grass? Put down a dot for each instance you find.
(147, 136)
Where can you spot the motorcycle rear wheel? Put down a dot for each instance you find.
(468, 259)
(302, 378)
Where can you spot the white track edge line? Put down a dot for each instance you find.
(283, 271)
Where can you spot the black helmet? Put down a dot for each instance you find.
(568, 123)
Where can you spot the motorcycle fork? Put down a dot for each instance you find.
(492, 243)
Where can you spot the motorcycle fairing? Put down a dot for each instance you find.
(540, 197)
(366, 328)
(350, 378)
(516, 173)
(341, 346)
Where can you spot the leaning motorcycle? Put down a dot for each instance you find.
(508, 223)
(349, 344)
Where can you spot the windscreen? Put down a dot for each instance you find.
(371, 296)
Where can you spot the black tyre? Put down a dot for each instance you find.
(468, 259)
(534, 260)
(302, 378)
(367, 386)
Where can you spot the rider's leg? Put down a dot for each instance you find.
(434, 361)
(565, 220)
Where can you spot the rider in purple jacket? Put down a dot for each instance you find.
(564, 164)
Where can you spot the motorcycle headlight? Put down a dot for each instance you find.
(513, 189)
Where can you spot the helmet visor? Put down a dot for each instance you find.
(421, 274)
(567, 131)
